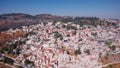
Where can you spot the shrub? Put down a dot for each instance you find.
(8, 60)
(87, 51)
(108, 43)
(77, 52)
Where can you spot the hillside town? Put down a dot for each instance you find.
(62, 45)
(59, 33)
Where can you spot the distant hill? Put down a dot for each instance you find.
(15, 16)
(16, 20)
(48, 17)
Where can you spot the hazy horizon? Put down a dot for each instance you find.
(95, 8)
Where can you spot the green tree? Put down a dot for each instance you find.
(8, 60)
(18, 51)
(28, 62)
(108, 43)
(113, 47)
(94, 34)
(26, 35)
(100, 54)
(19, 67)
(1, 51)
(57, 35)
(68, 52)
(106, 56)
(87, 51)
(110, 66)
(77, 52)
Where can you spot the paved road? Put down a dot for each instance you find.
(108, 64)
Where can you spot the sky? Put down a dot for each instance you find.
(98, 8)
